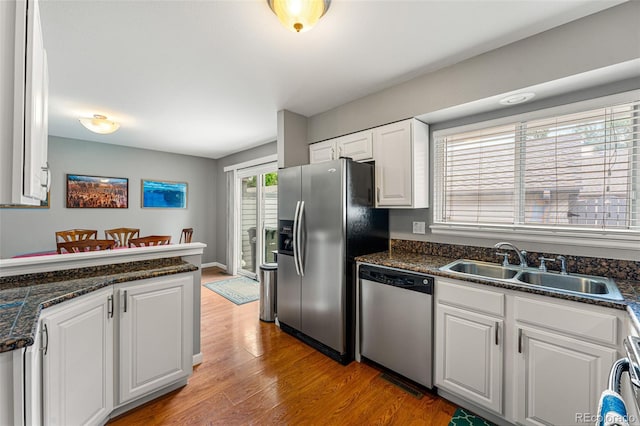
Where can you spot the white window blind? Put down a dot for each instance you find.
(574, 171)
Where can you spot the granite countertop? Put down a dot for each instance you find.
(23, 297)
(431, 265)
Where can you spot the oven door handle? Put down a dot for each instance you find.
(615, 374)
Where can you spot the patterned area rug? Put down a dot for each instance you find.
(239, 290)
(464, 418)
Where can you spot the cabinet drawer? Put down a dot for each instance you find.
(463, 295)
(583, 323)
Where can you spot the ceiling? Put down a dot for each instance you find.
(207, 78)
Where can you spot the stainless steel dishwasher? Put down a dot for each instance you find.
(396, 321)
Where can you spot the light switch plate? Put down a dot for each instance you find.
(418, 227)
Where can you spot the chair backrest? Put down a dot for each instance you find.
(85, 245)
(121, 235)
(76, 235)
(186, 235)
(151, 240)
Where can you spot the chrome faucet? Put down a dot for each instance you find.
(521, 253)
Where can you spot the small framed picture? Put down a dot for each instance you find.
(164, 194)
(90, 192)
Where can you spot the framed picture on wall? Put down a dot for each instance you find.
(87, 192)
(164, 194)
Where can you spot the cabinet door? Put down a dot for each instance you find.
(78, 361)
(155, 334)
(469, 352)
(393, 151)
(558, 377)
(322, 151)
(35, 110)
(358, 146)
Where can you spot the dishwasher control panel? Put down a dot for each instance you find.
(407, 280)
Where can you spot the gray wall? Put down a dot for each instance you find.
(560, 52)
(221, 190)
(32, 230)
(596, 41)
(292, 128)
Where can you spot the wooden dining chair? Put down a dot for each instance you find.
(151, 240)
(121, 235)
(76, 235)
(186, 235)
(81, 246)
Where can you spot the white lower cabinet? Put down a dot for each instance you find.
(527, 359)
(77, 361)
(104, 350)
(155, 342)
(473, 374)
(558, 378)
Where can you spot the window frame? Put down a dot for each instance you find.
(609, 238)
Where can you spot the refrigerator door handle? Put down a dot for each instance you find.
(299, 240)
(295, 237)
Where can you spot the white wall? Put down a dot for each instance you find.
(32, 230)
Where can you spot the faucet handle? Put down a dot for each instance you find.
(542, 266)
(505, 258)
(563, 264)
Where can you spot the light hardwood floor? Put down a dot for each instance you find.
(255, 374)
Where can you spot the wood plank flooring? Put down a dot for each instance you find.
(255, 374)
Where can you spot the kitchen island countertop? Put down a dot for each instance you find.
(22, 297)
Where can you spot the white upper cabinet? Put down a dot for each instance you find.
(401, 154)
(23, 105)
(357, 146)
(322, 151)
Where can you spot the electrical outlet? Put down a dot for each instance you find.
(418, 227)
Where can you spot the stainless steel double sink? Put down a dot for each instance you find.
(590, 285)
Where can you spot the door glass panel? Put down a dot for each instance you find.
(248, 224)
(270, 215)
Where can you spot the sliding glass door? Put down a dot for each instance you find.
(257, 212)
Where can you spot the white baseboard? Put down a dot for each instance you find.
(197, 358)
(214, 264)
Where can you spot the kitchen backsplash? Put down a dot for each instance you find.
(612, 268)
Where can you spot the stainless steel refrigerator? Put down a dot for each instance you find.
(326, 218)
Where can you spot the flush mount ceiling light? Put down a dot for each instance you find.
(518, 98)
(99, 124)
(299, 15)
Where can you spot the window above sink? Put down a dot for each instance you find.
(568, 174)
